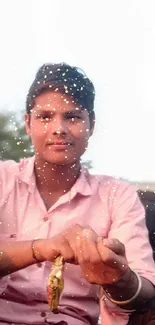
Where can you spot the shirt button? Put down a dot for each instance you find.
(39, 264)
(45, 218)
(43, 314)
(13, 236)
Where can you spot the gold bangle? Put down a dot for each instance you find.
(126, 302)
(33, 250)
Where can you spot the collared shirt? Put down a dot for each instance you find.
(111, 207)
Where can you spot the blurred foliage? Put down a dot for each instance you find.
(14, 143)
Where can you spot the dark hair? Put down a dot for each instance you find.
(65, 79)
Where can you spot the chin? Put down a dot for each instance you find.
(59, 161)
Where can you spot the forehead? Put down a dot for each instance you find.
(55, 101)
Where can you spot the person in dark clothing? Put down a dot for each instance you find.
(148, 200)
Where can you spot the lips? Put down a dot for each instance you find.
(59, 145)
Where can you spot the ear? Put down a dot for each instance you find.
(92, 123)
(27, 124)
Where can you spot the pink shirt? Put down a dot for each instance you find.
(111, 207)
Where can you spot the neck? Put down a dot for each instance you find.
(54, 178)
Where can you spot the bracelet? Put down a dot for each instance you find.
(33, 250)
(126, 302)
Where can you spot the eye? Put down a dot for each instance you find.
(73, 117)
(44, 117)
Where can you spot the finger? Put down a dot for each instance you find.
(115, 245)
(68, 254)
(89, 249)
(78, 249)
(89, 233)
(73, 230)
(110, 258)
(106, 254)
(62, 247)
(71, 233)
(86, 247)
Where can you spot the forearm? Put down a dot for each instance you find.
(16, 255)
(126, 288)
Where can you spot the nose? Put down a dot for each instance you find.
(59, 126)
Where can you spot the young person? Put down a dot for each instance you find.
(50, 206)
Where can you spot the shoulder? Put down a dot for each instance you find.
(8, 168)
(115, 190)
(9, 174)
(111, 184)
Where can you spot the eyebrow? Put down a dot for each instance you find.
(46, 111)
(42, 111)
(74, 112)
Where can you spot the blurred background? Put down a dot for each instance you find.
(114, 43)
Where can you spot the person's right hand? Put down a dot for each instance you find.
(62, 244)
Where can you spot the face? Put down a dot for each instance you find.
(59, 129)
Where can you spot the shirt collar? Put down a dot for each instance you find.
(26, 175)
(82, 184)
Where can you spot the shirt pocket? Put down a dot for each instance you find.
(5, 279)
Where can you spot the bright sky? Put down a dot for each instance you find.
(114, 42)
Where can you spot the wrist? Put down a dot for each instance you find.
(38, 250)
(123, 289)
(121, 283)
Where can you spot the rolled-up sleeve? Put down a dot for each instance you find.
(129, 226)
(4, 280)
(7, 177)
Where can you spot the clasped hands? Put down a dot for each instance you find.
(102, 261)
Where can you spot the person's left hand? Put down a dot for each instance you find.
(102, 261)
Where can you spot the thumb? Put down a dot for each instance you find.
(115, 245)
